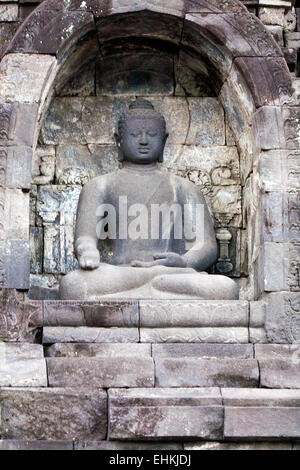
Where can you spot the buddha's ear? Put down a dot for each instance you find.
(161, 157)
(118, 142)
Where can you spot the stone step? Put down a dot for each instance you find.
(88, 416)
(171, 350)
(209, 414)
(199, 372)
(53, 413)
(94, 314)
(147, 314)
(22, 365)
(102, 372)
(111, 369)
(82, 334)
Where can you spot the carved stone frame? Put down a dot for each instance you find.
(256, 93)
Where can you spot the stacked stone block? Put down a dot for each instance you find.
(221, 367)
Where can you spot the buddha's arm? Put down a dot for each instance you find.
(204, 250)
(86, 239)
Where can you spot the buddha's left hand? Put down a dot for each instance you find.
(162, 259)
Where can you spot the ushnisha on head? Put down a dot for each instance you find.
(141, 134)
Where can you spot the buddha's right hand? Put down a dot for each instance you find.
(89, 259)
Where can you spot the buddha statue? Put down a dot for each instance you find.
(160, 230)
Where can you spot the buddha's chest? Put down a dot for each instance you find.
(145, 190)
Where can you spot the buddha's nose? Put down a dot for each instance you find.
(144, 139)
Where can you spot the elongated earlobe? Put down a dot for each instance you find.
(120, 153)
(161, 157)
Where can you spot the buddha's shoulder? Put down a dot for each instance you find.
(184, 184)
(100, 181)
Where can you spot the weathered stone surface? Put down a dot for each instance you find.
(76, 164)
(9, 444)
(82, 334)
(56, 210)
(19, 320)
(138, 74)
(100, 372)
(51, 413)
(98, 350)
(257, 335)
(143, 24)
(21, 351)
(43, 286)
(268, 122)
(261, 422)
(20, 372)
(36, 250)
(241, 351)
(23, 77)
(43, 164)
(272, 169)
(163, 413)
(194, 335)
(219, 162)
(14, 214)
(283, 319)
(82, 84)
(259, 72)
(43, 37)
(192, 372)
(207, 125)
(273, 16)
(7, 31)
(108, 314)
(14, 264)
(280, 373)
(277, 351)
(9, 12)
(291, 129)
(238, 446)
(260, 397)
(276, 264)
(62, 123)
(256, 42)
(292, 39)
(119, 445)
(258, 311)
(190, 81)
(161, 314)
(277, 33)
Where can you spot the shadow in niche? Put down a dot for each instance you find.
(92, 90)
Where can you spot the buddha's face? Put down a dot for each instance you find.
(142, 140)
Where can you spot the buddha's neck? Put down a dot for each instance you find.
(140, 167)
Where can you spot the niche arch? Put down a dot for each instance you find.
(250, 76)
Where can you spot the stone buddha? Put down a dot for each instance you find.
(161, 233)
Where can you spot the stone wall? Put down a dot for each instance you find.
(72, 151)
(77, 143)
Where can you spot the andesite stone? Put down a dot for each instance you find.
(143, 414)
(195, 335)
(98, 350)
(100, 314)
(118, 371)
(53, 413)
(199, 372)
(82, 334)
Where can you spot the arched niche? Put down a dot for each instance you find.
(245, 68)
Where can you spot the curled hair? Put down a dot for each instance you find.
(140, 109)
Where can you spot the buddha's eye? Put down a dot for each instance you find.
(151, 134)
(135, 134)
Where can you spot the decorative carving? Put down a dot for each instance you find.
(224, 264)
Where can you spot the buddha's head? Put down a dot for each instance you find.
(141, 135)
